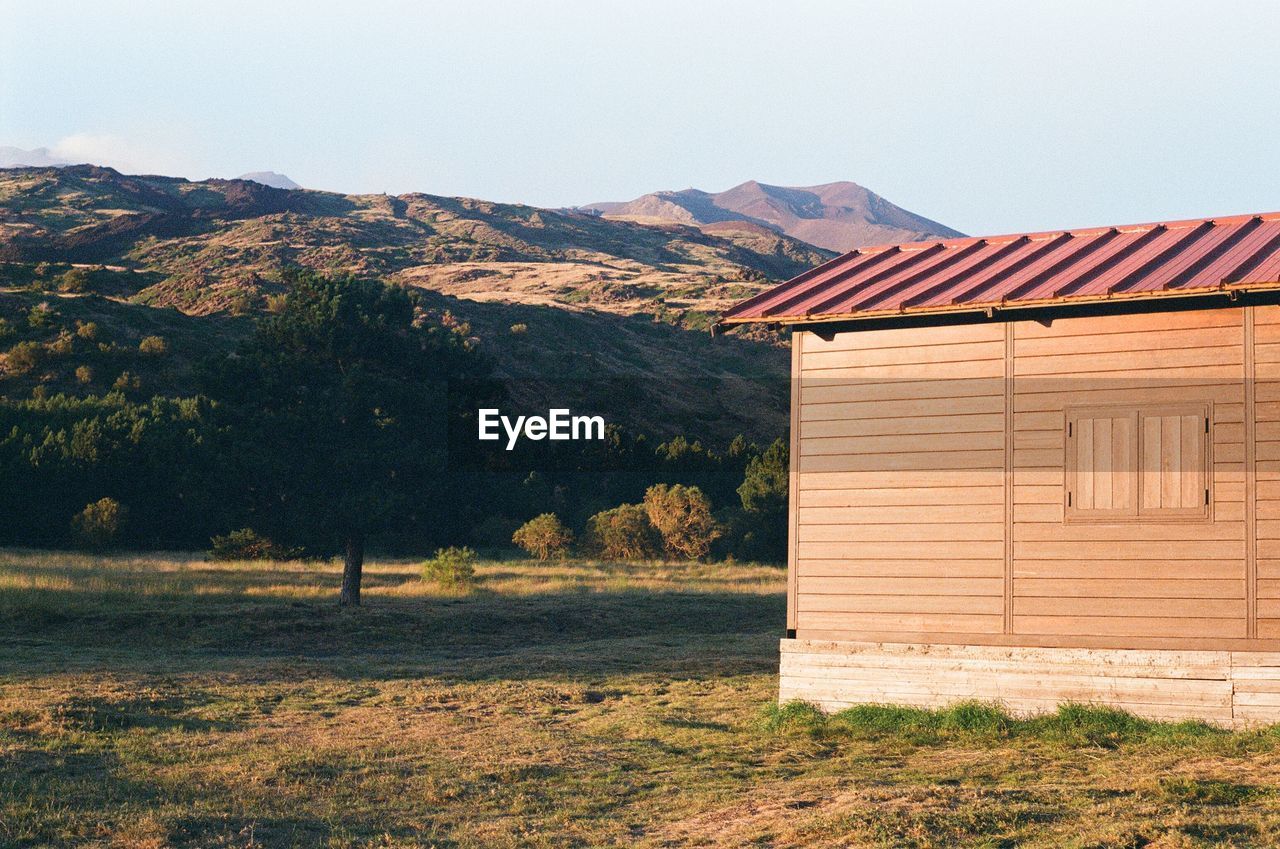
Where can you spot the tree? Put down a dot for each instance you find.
(98, 524)
(764, 491)
(682, 515)
(623, 533)
(543, 536)
(336, 412)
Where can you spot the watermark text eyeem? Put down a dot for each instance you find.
(558, 424)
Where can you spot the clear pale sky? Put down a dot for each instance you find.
(987, 116)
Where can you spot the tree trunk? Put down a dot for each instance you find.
(352, 569)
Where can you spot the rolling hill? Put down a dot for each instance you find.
(566, 304)
(835, 216)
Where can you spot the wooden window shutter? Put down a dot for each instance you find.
(1138, 463)
(1175, 467)
(1102, 448)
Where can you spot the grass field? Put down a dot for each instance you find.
(164, 701)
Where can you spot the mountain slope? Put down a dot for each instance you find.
(564, 303)
(836, 216)
(274, 179)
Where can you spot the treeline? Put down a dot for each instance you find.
(348, 418)
(183, 479)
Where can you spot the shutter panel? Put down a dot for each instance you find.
(1174, 465)
(1102, 455)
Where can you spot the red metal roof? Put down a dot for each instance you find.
(1141, 261)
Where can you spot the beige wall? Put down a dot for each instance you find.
(928, 489)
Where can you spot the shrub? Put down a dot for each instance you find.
(6, 328)
(682, 515)
(98, 525)
(41, 315)
(23, 358)
(87, 330)
(84, 374)
(451, 567)
(153, 345)
(623, 533)
(74, 280)
(127, 382)
(248, 544)
(240, 303)
(544, 536)
(517, 329)
(61, 345)
(766, 481)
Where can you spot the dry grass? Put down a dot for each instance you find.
(165, 701)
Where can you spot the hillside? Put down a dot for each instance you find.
(836, 216)
(270, 178)
(549, 296)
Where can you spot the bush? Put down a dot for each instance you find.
(84, 374)
(127, 382)
(23, 358)
(98, 525)
(87, 330)
(61, 345)
(6, 328)
(153, 345)
(41, 315)
(74, 280)
(544, 536)
(682, 515)
(451, 567)
(623, 533)
(248, 544)
(517, 329)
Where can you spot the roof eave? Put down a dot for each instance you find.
(1228, 289)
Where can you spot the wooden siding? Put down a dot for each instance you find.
(1064, 577)
(928, 491)
(1227, 688)
(1266, 550)
(900, 498)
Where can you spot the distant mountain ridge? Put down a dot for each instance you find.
(836, 216)
(274, 179)
(40, 157)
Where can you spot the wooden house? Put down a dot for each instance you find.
(1038, 468)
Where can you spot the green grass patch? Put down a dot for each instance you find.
(1071, 725)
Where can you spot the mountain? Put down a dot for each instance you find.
(13, 157)
(273, 179)
(836, 216)
(563, 302)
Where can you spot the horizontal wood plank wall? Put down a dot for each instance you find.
(900, 525)
(1228, 688)
(1172, 578)
(1266, 335)
(900, 522)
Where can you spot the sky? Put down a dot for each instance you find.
(989, 117)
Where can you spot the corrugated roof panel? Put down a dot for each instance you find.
(983, 271)
(835, 289)
(889, 288)
(1068, 254)
(1142, 261)
(1185, 266)
(1224, 267)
